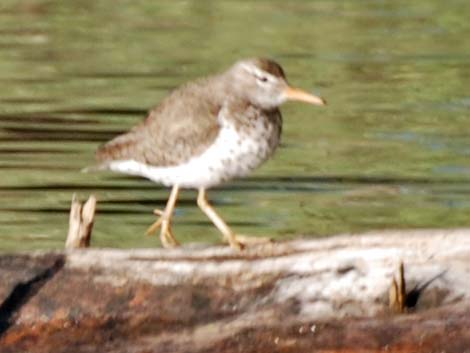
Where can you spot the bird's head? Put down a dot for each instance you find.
(263, 83)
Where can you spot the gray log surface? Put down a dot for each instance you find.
(323, 295)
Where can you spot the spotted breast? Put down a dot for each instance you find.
(246, 139)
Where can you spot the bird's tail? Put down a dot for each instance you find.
(96, 168)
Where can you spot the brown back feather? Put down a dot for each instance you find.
(183, 125)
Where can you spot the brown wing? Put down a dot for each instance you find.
(182, 126)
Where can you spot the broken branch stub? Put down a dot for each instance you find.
(80, 223)
(397, 292)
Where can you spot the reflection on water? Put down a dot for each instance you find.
(391, 150)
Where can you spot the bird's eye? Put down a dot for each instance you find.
(262, 78)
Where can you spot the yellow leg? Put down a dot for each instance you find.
(205, 206)
(164, 221)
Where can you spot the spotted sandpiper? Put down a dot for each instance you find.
(205, 133)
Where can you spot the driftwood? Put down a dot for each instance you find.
(328, 295)
(80, 223)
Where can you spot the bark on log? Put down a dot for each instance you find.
(328, 295)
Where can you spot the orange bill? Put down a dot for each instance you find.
(296, 94)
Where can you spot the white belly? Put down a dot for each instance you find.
(231, 155)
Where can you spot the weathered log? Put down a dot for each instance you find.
(328, 295)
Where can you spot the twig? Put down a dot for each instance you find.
(80, 223)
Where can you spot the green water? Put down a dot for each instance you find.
(390, 151)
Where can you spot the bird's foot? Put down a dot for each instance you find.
(240, 242)
(166, 235)
(235, 244)
(153, 228)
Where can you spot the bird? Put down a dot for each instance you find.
(205, 133)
